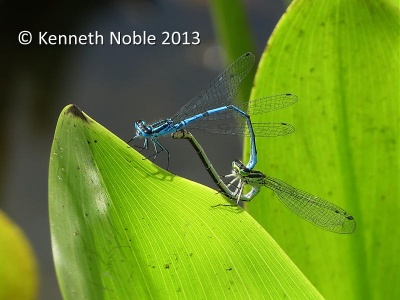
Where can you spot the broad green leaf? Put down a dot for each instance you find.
(18, 267)
(122, 228)
(341, 58)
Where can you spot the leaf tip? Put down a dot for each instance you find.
(77, 112)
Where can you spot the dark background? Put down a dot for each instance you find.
(115, 85)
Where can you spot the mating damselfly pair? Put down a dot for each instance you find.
(215, 103)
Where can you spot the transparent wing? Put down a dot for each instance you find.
(312, 208)
(222, 91)
(255, 107)
(267, 104)
(260, 129)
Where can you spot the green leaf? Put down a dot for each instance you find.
(122, 228)
(341, 58)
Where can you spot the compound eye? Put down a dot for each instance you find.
(141, 127)
(138, 123)
(235, 164)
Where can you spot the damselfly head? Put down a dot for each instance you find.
(235, 167)
(239, 168)
(141, 128)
